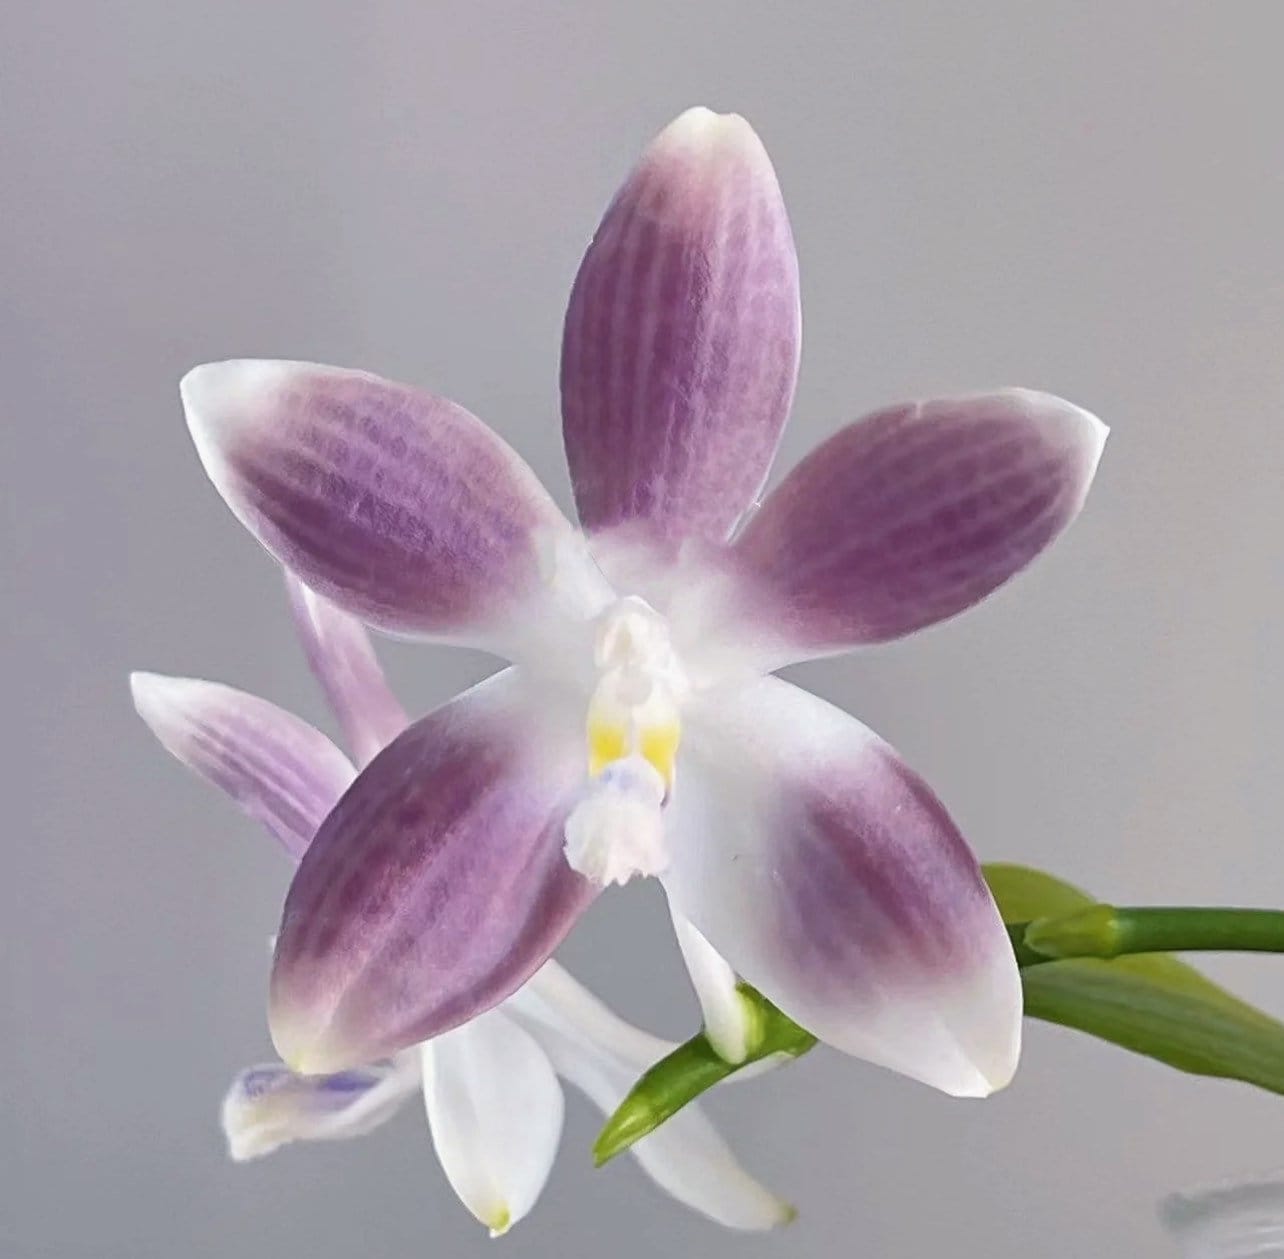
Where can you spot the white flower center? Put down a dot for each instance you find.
(633, 730)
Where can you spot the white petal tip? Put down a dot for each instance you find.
(729, 1043)
(159, 699)
(143, 686)
(245, 1147)
(498, 1220)
(701, 130)
(1076, 425)
(210, 388)
(221, 398)
(984, 1078)
(307, 1044)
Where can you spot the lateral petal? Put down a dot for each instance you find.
(438, 883)
(832, 879)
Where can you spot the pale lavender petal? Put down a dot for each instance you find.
(831, 878)
(280, 770)
(437, 885)
(681, 344)
(342, 657)
(268, 1106)
(399, 506)
(913, 514)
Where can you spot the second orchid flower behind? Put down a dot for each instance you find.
(490, 1086)
(638, 731)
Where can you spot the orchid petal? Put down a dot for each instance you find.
(437, 885)
(268, 1106)
(342, 657)
(681, 343)
(602, 1056)
(281, 771)
(400, 507)
(832, 880)
(912, 515)
(495, 1111)
(726, 1022)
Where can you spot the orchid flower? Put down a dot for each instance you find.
(490, 1086)
(638, 730)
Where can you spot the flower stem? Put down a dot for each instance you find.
(1105, 931)
(1098, 931)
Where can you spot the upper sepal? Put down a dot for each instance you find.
(681, 343)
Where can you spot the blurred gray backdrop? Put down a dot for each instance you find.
(1083, 197)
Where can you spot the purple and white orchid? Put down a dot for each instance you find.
(490, 1086)
(637, 730)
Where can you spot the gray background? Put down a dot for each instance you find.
(1085, 198)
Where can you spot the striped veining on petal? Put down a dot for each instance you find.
(281, 771)
(913, 514)
(435, 887)
(681, 340)
(399, 506)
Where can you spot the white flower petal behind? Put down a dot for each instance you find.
(495, 1112)
(602, 1055)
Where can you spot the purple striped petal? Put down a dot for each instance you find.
(280, 770)
(915, 513)
(831, 878)
(437, 885)
(342, 658)
(681, 344)
(400, 507)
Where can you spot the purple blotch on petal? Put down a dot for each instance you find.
(434, 889)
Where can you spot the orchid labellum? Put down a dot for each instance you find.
(490, 1086)
(638, 730)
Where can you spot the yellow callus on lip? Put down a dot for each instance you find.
(634, 709)
(659, 745)
(610, 741)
